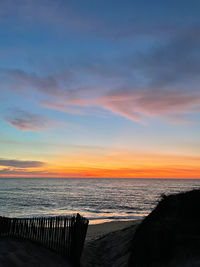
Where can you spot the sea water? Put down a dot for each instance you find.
(98, 199)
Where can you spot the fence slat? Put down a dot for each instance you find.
(64, 234)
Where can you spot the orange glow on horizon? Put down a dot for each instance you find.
(113, 165)
(111, 173)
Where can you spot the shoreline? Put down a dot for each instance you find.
(96, 231)
(113, 221)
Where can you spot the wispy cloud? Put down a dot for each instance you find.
(48, 12)
(174, 63)
(94, 19)
(163, 82)
(21, 163)
(19, 80)
(13, 172)
(134, 105)
(26, 121)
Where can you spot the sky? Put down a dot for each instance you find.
(99, 88)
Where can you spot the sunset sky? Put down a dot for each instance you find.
(100, 88)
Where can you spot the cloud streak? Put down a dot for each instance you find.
(134, 105)
(13, 172)
(21, 163)
(163, 82)
(175, 63)
(19, 80)
(26, 121)
(95, 19)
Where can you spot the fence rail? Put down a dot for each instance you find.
(63, 234)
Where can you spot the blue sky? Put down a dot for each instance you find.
(99, 75)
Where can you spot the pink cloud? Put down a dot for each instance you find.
(63, 107)
(133, 105)
(76, 107)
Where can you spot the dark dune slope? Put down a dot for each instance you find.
(170, 235)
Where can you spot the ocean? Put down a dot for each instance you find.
(98, 199)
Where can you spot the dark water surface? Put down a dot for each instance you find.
(99, 200)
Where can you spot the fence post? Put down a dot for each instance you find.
(78, 238)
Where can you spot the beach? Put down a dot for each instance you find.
(108, 244)
(101, 245)
(20, 253)
(96, 231)
(166, 237)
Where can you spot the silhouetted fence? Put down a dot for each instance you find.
(65, 235)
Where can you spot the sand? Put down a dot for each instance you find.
(96, 231)
(16, 253)
(106, 245)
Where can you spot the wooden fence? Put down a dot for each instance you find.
(65, 235)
